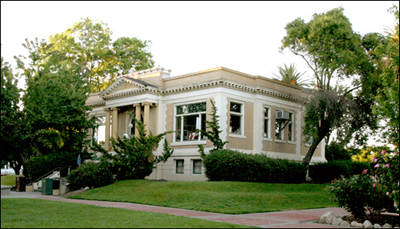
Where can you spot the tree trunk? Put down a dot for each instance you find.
(324, 130)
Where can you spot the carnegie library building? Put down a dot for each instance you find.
(256, 115)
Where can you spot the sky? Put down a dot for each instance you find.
(189, 36)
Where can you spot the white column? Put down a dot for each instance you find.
(146, 120)
(138, 112)
(115, 122)
(107, 137)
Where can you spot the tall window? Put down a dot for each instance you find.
(278, 129)
(266, 122)
(179, 166)
(188, 119)
(197, 166)
(290, 127)
(236, 117)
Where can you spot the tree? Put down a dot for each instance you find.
(12, 134)
(213, 132)
(134, 158)
(333, 51)
(88, 43)
(387, 99)
(54, 103)
(290, 75)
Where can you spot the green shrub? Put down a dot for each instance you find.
(336, 152)
(358, 194)
(231, 165)
(327, 171)
(91, 174)
(134, 157)
(374, 190)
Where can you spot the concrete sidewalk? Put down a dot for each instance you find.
(283, 219)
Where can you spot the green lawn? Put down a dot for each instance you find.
(33, 213)
(8, 179)
(220, 197)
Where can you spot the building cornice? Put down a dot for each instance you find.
(204, 85)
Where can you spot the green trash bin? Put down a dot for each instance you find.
(47, 186)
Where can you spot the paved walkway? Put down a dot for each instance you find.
(284, 219)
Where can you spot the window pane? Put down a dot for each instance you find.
(236, 107)
(178, 129)
(290, 132)
(189, 128)
(235, 125)
(179, 166)
(203, 125)
(197, 166)
(266, 112)
(278, 134)
(191, 108)
(266, 127)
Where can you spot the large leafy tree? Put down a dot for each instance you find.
(54, 102)
(88, 43)
(387, 99)
(13, 134)
(334, 52)
(291, 76)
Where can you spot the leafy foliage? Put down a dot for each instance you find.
(387, 97)
(134, 158)
(57, 117)
(374, 190)
(88, 43)
(336, 151)
(290, 75)
(368, 152)
(213, 132)
(13, 137)
(328, 171)
(230, 165)
(91, 174)
(334, 52)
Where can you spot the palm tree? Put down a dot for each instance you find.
(291, 76)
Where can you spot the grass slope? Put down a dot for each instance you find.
(9, 180)
(220, 197)
(33, 213)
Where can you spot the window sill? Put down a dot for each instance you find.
(267, 139)
(280, 141)
(191, 143)
(237, 136)
(293, 143)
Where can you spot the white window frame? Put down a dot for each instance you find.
(241, 115)
(176, 166)
(291, 124)
(193, 166)
(198, 125)
(268, 119)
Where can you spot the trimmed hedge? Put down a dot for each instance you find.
(327, 171)
(231, 165)
(92, 175)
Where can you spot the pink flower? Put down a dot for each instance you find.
(387, 193)
(395, 153)
(387, 165)
(376, 166)
(383, 152)
(375, 160)
(365, 171)
(374, 185)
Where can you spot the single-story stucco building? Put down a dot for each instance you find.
(256, 115)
